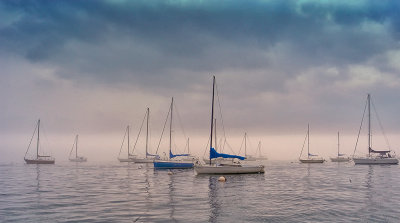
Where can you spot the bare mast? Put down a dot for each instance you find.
(212, 116)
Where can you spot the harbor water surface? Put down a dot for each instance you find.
(127, 192)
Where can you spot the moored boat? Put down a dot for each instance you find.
(311, 158)
(224, 168)
(40, 159)
(374, 156)
(77, 158)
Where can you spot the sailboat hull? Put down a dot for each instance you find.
(340, 159)
(376, 161)
(39, 161)
(312, 160)
(78, 159)
(123, 160)
(229, 169)
(173, 165)
(142, 160)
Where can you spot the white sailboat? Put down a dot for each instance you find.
(311, 158)
(224, 168)
(374, 156)
(40, 159)
(247, 156)
(76, 158)
(340, 157)
(260, 156)
(149, 158)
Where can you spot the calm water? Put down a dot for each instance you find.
(123, 192)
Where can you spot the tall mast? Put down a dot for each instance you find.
(338, 144)
(37, 144)
(170, 126)
(259, 148)
(127, 129)
(245, 149)
(76, 147)
(212, 116)
(308, 142)
(369, 125)
(147, 129)
(215, 134)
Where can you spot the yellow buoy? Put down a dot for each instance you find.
(221, 179)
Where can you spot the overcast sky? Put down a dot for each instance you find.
(92, 67)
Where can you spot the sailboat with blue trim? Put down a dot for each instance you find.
(173, 162)
(218, 168)
(311, 158)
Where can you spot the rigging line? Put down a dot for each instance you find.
(31, 140)
(140, 130)
(359, 130)
(240, 149)
(123, 140)
(72, 149)
(304, 143)
(180, 121)
(165, 123)
(220, 113)
(229, 146)
(208, 143)
(380, 125)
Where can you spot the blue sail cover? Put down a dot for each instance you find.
(215, 154)
(172, 155)
(311, 154)
(340, 154)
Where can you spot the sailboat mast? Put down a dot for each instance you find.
(245, 149)
(338, 144)
(170, 127)
(37, 143)
(369, 125)
(127, 129)
(76, 147)
(147, 129)
(212, 116)
(215, 134)
(259, 148)
(308, 141)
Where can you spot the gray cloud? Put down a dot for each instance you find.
(287, 59)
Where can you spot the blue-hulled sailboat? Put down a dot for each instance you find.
(173, 162)
(234, 168)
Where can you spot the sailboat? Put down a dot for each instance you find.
(340, 157)
(149, 158)
(40, 159)
(311, 158)
(374, 156)
(260, 156)
(129, 157)
(247, 157)
(76, 158)
(172, 162)
(236, 168)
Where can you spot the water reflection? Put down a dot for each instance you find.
(215, 203)
(171, 191)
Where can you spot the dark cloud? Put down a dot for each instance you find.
(275, 56)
